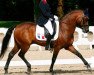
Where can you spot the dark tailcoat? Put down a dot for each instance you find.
(45, 14)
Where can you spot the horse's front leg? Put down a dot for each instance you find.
(74, 51)
(55, 53)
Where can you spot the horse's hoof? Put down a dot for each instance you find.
(51, 70)
(29, 70)
(6, 72)
(88, 67)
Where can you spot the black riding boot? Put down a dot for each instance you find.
(49, 36)
(54, 28)
(47, 47)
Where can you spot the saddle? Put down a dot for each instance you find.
(42, 31)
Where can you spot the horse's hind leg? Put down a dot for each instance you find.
(74, 51)
(10, 56)
(22, 56)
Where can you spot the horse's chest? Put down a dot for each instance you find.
(68, 39)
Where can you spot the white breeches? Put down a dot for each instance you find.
(48, 25)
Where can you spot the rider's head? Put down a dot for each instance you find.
(44, 1)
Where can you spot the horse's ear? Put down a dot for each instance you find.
(86, 13)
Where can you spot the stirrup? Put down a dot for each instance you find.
(47, 47)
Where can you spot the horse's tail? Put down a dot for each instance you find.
(5, 41)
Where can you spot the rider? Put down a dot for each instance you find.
(46, 14)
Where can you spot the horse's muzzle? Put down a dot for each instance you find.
(85, 30)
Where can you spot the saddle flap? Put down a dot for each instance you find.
(40, 34)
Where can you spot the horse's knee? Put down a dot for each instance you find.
(11, 54)
(21, 54)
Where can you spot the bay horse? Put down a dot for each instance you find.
(24, 36)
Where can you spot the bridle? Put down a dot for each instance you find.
(83, 24)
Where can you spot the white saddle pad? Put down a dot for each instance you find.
(40, 32)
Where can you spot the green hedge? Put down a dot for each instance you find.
(8, 24)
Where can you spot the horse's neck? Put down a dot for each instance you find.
(68, 24)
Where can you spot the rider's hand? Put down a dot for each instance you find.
(53, 20)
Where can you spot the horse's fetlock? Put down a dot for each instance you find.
(51, 69)
(29, 70)
(29, 66)
(6, 69)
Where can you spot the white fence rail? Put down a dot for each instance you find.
(83, 38)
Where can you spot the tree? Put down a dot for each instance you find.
(17, 10)
(36, 9)
(60, 8)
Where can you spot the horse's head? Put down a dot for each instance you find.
(82, 22)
